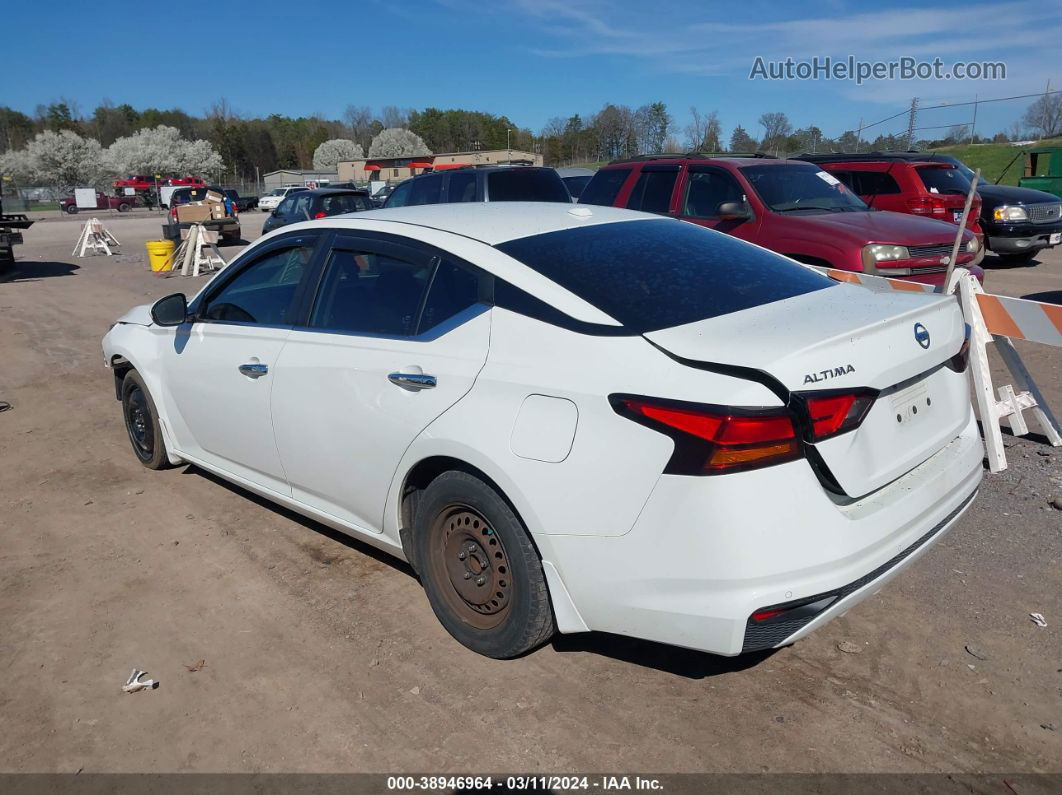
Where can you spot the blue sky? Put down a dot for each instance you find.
(527, 59)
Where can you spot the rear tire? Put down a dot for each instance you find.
(123, 207)
(142, 423)
(482, 574)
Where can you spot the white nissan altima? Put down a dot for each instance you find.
(569, 418)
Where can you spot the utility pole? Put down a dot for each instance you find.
(913, 114)
(973, 126)
(1043, 123)
(508, 145)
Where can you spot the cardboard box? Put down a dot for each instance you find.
(217, 211)
(214, 196)
(193, 213)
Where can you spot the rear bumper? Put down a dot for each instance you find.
(706, 553)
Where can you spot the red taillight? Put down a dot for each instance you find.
(711, 440)
(928, 205)
(173, 213)
(834, 413)
(320, 215)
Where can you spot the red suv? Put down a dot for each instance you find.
(932, 188)
(788, 206)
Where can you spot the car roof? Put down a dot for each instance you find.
(493, 222)
(575, 172)
(337, 191)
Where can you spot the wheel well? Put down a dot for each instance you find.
(419, 478)
(119, 366)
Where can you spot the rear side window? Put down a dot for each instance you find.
(526, 185)
(943, 180)
(652, 191)
(453, 290)
(604, 186)
(656, 274)
(462, 187)
(426, 190)
(874, 183)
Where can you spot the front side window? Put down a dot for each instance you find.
(604, 186)
(706, 190)
(370, 293)
(652, 191)
(262, 292)
(400, 196)
(660, 273)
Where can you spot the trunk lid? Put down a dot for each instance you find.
(845, 338)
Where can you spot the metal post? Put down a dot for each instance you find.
(973, 126)
(946, 286)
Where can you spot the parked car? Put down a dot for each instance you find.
(932, 188)
(308, 205)
(788, 206)
(272, 200)
(227, 228)
(1018, 222)
(11, 228)
(379, 199)
(486, 184)
(122, 204)
(575, 179)
(568, 417)
(242, 203)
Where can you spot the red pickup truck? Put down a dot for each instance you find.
(122, 204)
(788, 206)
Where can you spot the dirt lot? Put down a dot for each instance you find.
(322, 655)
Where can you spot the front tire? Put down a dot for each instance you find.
(482, 574)
(142, 422)
(123, 208)
(71, 209)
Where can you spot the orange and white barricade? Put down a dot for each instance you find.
(996, 319)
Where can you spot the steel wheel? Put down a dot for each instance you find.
(138, 423)
(472, 559)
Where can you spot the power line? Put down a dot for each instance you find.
(960, 105)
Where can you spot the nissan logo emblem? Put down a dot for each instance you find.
(921, 335)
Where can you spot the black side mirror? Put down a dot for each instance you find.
(734, 211)
(170, 311)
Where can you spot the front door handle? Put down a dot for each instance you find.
(414, 381)
(254, 370)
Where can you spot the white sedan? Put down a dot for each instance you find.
(569, 418)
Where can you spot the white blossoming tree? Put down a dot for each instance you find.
(329, 153)
(162, 150)
(63, 160)
(397, 142)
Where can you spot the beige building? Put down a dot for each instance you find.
(396, 169)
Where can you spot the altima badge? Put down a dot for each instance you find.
(921, 335)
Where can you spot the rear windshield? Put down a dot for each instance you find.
(656, 274)
(938, 179)
(526, 185)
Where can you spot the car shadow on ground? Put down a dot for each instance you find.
(310, 524)
(677, 661)
(687, 663)
(26, 271)
(1047, 297)
(993, 263)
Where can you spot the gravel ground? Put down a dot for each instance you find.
(320, 654)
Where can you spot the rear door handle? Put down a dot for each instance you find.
(414, 381)
(254, 370)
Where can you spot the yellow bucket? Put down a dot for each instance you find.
(160, 252)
